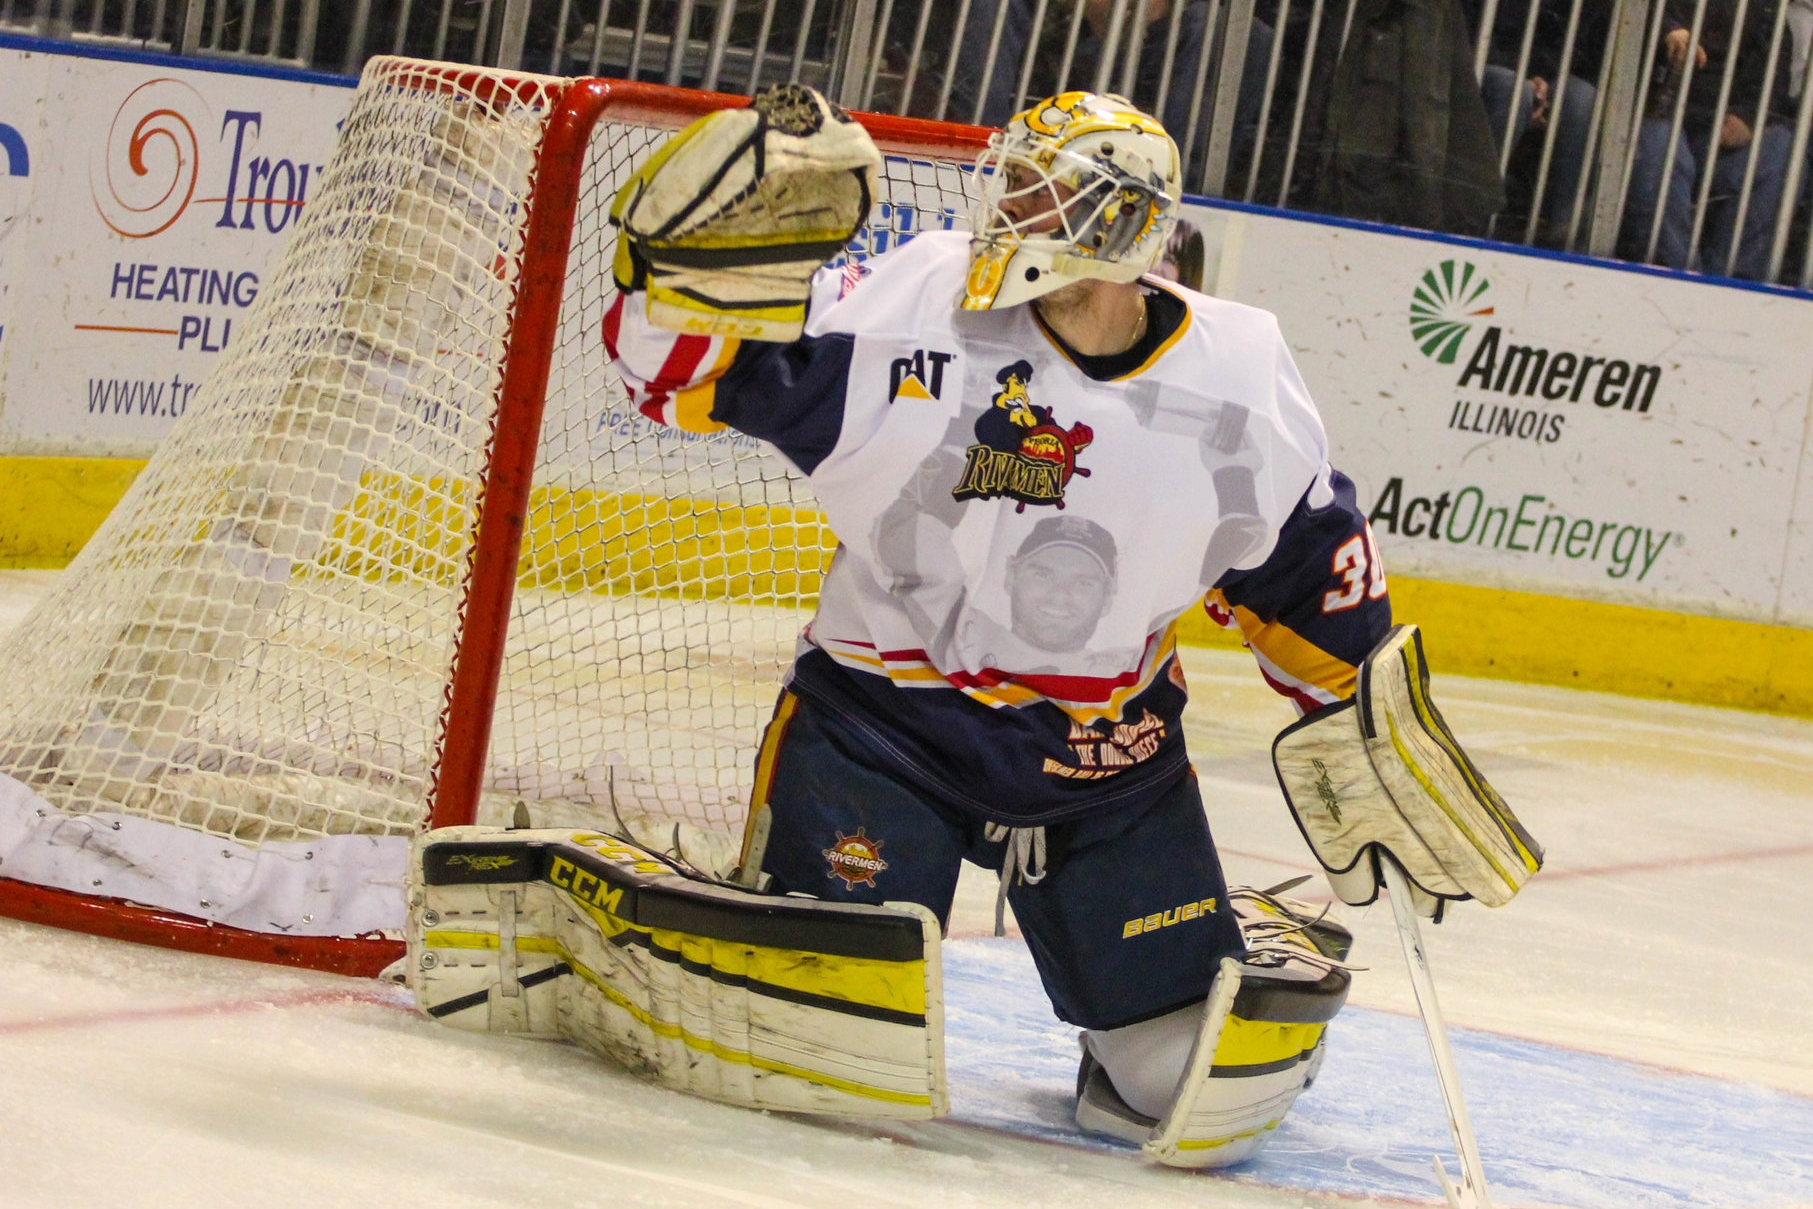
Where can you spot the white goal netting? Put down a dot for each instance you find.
(258, 644)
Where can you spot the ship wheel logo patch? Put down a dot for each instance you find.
(855, 858)
(1021, 452)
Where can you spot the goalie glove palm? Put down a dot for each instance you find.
(1382, 773)
(726, 224)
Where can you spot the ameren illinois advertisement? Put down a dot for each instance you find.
(1535, 423)
(142, 209)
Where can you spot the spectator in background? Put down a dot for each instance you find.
(1184, 256)
(1546, 93)
(1396, 128)
(972, 75)
(1726, 140)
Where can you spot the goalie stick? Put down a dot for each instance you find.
(1472, 1191)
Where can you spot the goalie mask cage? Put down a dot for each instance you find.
(410, 557)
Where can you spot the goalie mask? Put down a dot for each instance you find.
(1080, 185)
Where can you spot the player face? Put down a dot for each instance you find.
(1033, 205)
(1057, 594)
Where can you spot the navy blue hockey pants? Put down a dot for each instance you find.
(1129, 921)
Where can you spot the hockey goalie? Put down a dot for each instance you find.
(1038, 456)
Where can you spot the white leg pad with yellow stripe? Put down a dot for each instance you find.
(768, 1002)
(1243, 1077)
(1381, 772)
(1244, 1054)
(1263, 1028)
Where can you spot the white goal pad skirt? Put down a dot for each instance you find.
(337, 885)
(757, 1000)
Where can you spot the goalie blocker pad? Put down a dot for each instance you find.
(1382, 773)
(726, 223)
(763, 1001)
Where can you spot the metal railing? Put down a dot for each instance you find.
(1584, 125)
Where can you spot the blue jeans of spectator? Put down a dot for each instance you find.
(1011, 52)
(1573, 134)
(1771, 146)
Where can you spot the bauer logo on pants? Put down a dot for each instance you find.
(1167, 919)
(856, 859)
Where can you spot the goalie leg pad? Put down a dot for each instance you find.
(1382, 772)
(1220, 1076)
(783, 1003)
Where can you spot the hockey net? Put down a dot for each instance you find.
(371, 582)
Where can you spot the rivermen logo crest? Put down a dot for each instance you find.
(855, 858)
(1443, 307)
(1021, 452)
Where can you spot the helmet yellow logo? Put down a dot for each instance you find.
(985, 277)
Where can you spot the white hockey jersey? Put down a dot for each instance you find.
(1012, 529)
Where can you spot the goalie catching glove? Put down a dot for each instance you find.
(726, 224)
(763, 1001)
(1381, 774)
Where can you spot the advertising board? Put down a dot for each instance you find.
(1512, 420)
(1538, 423)
(153, 204)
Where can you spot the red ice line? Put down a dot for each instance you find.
(132, 1015)
(1554, 875)
(1681, 862)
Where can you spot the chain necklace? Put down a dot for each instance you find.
(1139, 328)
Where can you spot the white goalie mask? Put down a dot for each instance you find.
(1080, 185)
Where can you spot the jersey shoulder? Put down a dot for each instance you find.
(1222, 316)
(908, 289)
(1227, 349)
(1234, 353)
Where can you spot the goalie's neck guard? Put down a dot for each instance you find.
(1079, 186)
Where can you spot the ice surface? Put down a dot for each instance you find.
(1631, 1032)
(1556, 1126)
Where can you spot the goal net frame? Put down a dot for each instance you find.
(574, 111)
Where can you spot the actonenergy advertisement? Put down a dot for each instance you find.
(141, 209)
(1540, 424)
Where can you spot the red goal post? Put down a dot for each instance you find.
(409, 483)
(550, 233)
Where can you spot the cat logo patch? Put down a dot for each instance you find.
(920, 376)
(855, 858)
(1021, 452)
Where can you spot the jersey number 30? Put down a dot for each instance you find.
(1353, 559)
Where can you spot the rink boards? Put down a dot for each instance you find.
(1552, 452)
